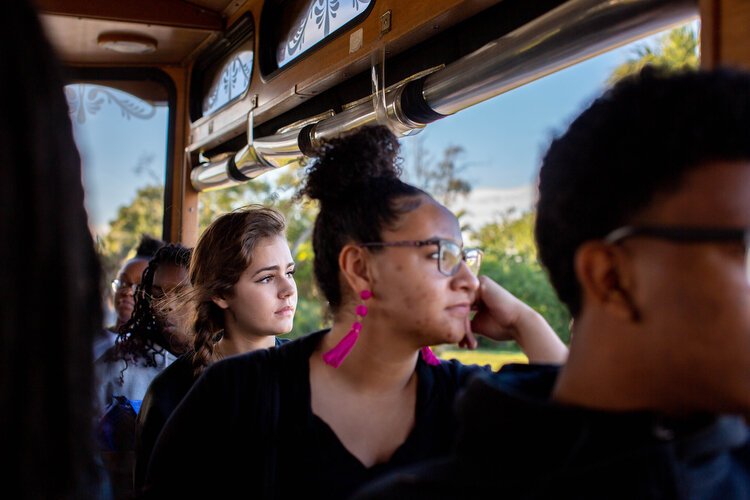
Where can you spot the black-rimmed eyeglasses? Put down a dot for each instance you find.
(681, 234)
(123, 285)
(449, 254)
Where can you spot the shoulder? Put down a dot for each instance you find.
(452, 372)
(177, 374)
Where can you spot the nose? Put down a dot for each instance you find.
(288, 289)
(464, 279)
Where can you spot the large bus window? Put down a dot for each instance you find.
(123, 143)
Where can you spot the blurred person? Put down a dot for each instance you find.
(643, 224)
(49, 275)
(323, 414)
(242, 294)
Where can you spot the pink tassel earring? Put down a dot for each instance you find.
(340, 351)
(429, 357)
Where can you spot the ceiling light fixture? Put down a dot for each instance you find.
(127, 43)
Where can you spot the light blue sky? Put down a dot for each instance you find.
(504, 138)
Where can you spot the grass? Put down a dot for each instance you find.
(495, 359)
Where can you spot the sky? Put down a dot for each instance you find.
(503, 138)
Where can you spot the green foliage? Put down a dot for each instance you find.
(677, 50)
(142, 216)
(510, 258)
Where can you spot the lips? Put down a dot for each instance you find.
(461, 309)
(285, 311)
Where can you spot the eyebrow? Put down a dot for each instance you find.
(270, 268)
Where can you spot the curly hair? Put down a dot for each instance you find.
(141, 336)
(356, 180)
(635, 142)
(224, 251)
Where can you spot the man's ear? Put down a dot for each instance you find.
(606, 280)
(220, 301)
(354, 262)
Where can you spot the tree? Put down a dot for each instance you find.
(510, 258)
(442, 179)
(142, 215)
(678, 50)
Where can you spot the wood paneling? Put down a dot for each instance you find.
(725, 37)
(182, 209)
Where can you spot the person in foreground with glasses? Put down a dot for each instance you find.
(642, 224)
(148, 343)
(321, 415)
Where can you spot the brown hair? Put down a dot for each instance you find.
(224, 251)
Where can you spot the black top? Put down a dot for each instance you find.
(256, 409)
(162, 397)
(515, 442)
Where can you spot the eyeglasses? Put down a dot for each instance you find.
(122, 285)
(449, 254)
(687, 235)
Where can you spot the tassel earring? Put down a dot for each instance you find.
(340, 351)
(429, 357)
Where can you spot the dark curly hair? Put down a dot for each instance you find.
(224, 251)
(356, 180)
(635, 142)
(141, 336)
(148, 246)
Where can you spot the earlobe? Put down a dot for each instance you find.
(603, 273)
(220, 301)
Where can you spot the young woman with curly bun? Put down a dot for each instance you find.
(320, 416)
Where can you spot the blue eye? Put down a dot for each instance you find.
(265, 279)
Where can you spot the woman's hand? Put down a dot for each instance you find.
(502, 316)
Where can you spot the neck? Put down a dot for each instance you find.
(616, 368)
(380, 360)
(233, 342)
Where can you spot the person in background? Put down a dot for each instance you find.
(149, 342)
(321, 415)
(242, 295)
(51, 303)
(123, 291)
(643, 224)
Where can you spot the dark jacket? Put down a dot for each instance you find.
(162, 397)
(246, 430)
(515, 443)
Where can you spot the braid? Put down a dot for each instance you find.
(208, 326)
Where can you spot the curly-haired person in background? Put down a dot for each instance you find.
(242, 294)
(321, 415)
(149, 342)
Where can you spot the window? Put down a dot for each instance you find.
(123, 141)
(230, 81)
(305, 23)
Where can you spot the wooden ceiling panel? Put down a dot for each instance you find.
(76, 41)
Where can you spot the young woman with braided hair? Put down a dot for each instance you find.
(242, 295)
(320, 416)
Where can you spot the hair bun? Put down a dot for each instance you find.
(346, 167)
